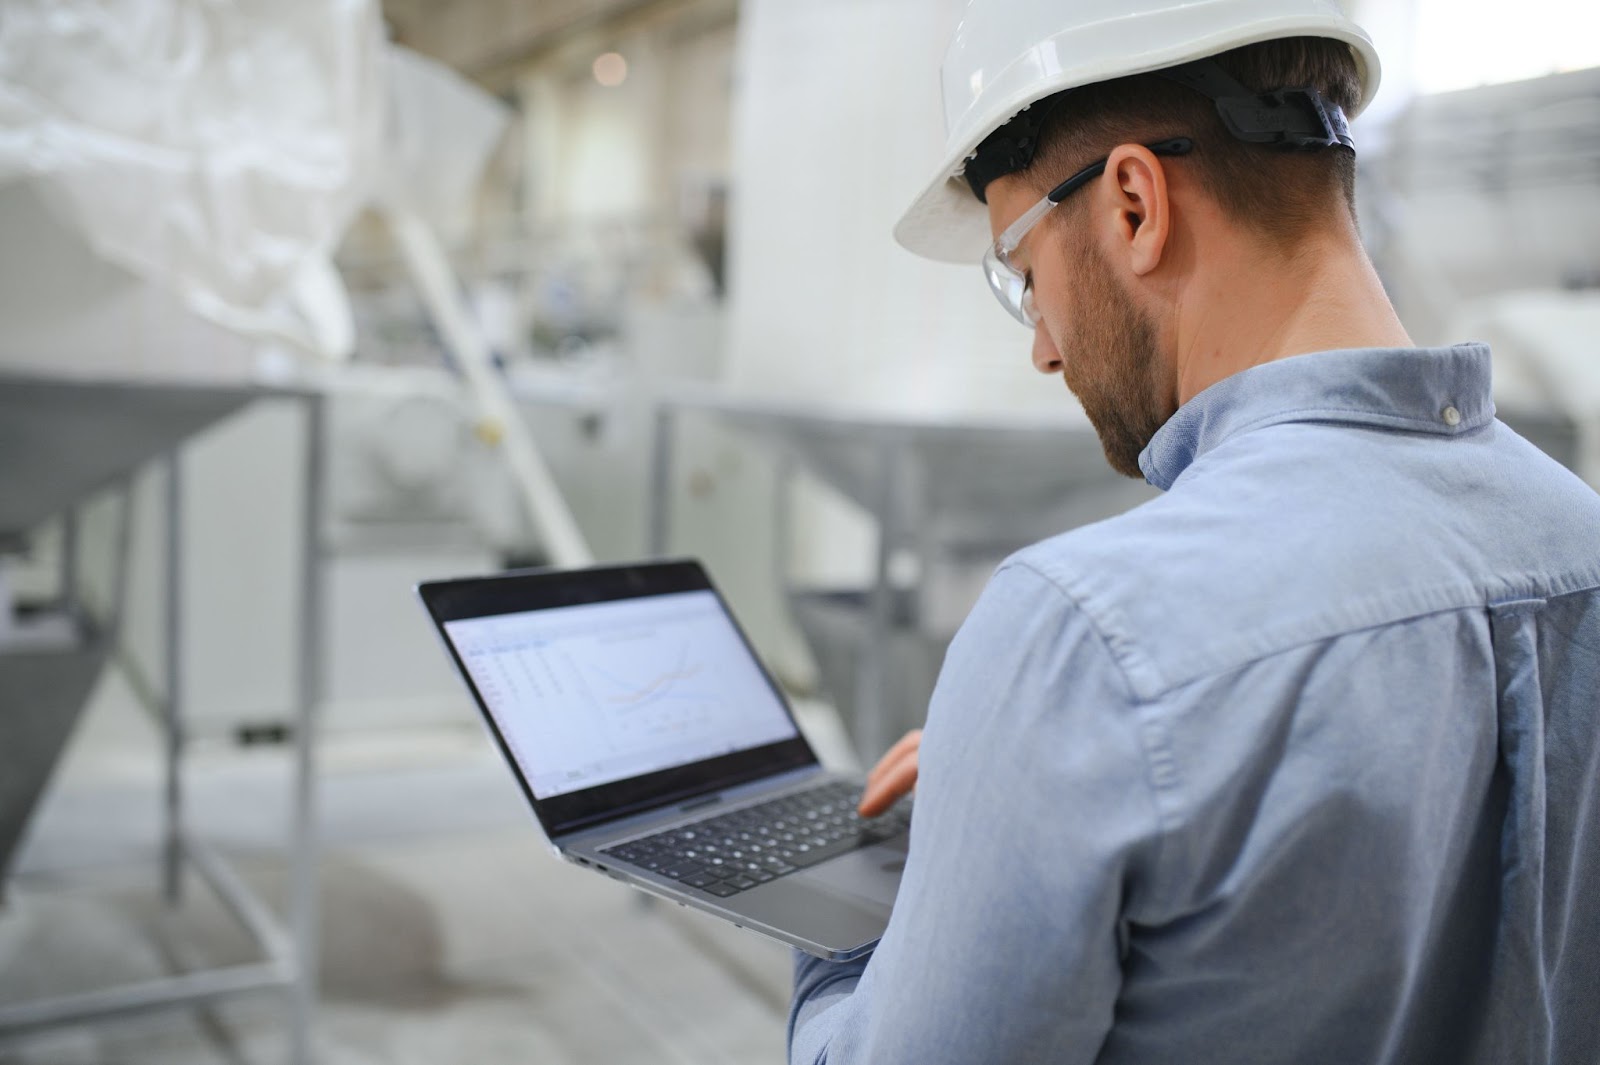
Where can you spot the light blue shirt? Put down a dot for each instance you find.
(1297, 763)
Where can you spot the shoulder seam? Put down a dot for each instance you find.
(1149, 731)
(1148, 681)
(1067, 593)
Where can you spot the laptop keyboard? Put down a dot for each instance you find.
(735, 852)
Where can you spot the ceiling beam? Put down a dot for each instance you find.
(491, 41)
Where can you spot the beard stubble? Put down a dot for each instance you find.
(1112, 366)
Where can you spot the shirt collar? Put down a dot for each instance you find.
(1444, 391)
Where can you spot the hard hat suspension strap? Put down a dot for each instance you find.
(1009, 149)
(1284, 118)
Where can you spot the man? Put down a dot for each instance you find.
(1298, 762)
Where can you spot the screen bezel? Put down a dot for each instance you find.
(520, 591)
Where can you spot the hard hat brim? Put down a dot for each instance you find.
(946, 223)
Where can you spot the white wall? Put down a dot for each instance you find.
(837, 125)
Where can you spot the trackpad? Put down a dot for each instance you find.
(871, 874)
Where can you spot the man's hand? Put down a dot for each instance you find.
(893, 777)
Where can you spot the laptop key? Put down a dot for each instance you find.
(813, 855)
(701, 880)
(682, 870)
(721, 889)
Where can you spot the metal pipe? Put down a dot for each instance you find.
(149, 995)
(172, 720)
(69, 566)
(303, 903)
(661, 478)
(501, 422)
(123, 563)
(7, 603)
(872, 671)
(783, 525)
(240, 901)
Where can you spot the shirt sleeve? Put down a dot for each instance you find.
(1034, 823)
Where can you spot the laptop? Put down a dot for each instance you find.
(656, 749)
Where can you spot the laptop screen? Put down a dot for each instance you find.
(615, 689)
(590, 694)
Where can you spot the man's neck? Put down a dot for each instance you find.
(1254, 306)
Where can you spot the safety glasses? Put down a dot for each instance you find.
(1012, 287)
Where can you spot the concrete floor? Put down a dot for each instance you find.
(449, 934)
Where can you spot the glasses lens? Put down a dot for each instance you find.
(1009, 287)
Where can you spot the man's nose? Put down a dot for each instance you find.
(1046, 359)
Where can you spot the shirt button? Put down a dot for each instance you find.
(1451, 416)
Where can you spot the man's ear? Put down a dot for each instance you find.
(1140, 212)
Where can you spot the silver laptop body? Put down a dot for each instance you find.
(639, 722)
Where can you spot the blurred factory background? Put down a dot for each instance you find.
(302, 303)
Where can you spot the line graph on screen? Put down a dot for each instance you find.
(648, 688)
(657, 695)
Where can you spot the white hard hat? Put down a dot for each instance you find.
(1007, 54)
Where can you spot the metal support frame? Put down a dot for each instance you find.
(68, 574)
(872, 672)
(898, 505)
(664, 441)
(289, 952)
(305, 923)
(173, 732)
(277, 971)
